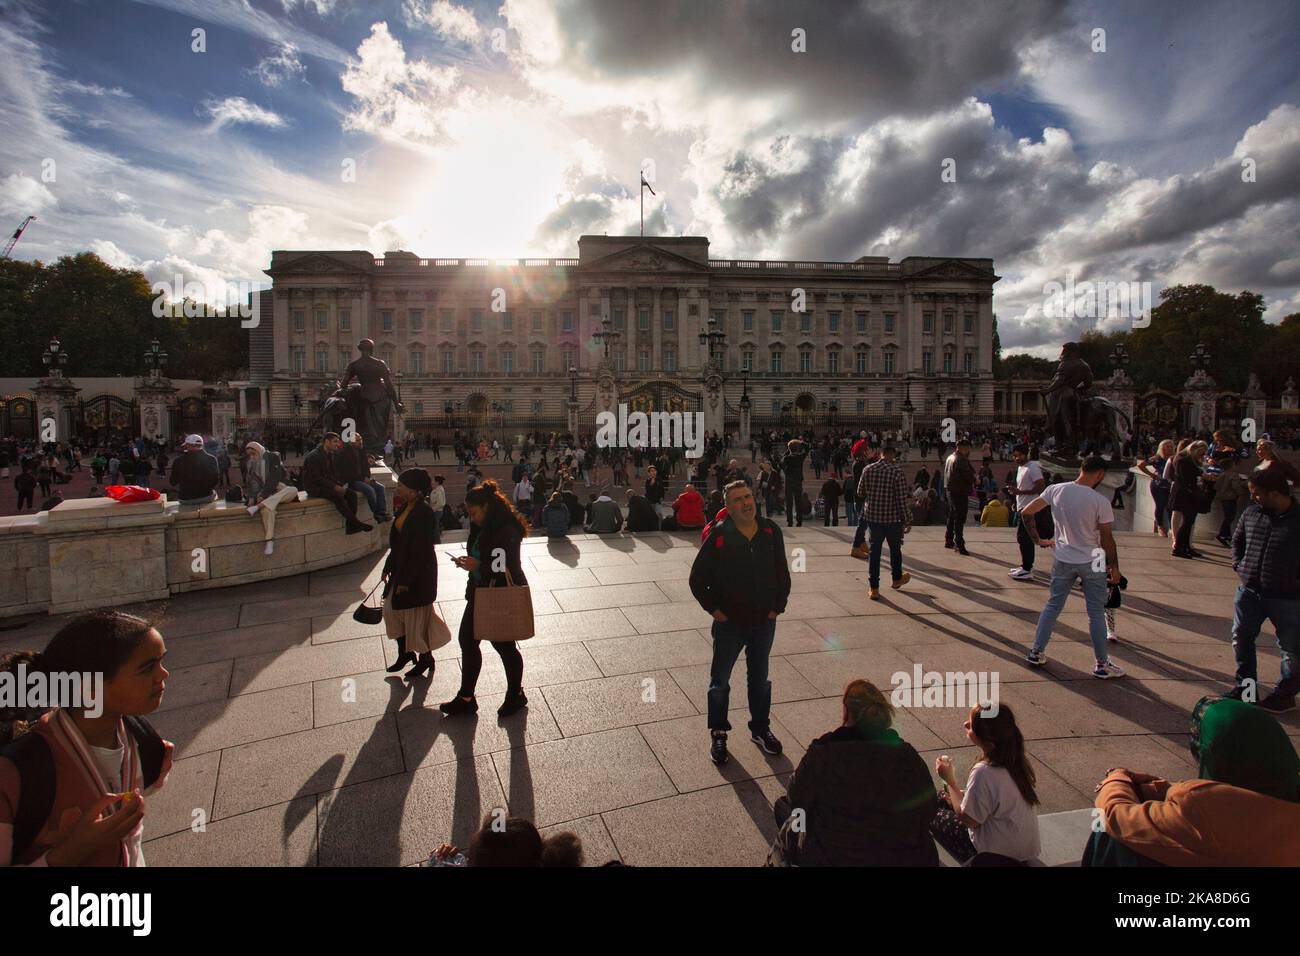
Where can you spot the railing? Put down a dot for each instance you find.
(878, 268)
(484, 263)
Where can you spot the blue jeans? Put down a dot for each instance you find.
(860, 536)
(1094, 595)
(728, 641)
(1250, 611)
(374, 495)
(850, 510)
(880, 533)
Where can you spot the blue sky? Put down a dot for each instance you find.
(509, 128)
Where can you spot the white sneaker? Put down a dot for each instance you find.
(1020, 574)
(1112, 637)
(1036, 658)
(252, 511)
(270, 547)
(1105, 670)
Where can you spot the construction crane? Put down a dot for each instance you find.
(13, 240)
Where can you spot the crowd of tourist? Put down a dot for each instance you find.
(861, 794)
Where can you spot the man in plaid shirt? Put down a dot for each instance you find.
(886, 507)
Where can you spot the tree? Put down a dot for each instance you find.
(104, 318)
(1232, 327)
(1280, 357)
(1023, 365)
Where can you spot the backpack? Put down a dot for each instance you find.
(720, 517)
(30, 753)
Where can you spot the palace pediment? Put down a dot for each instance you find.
(644, 258)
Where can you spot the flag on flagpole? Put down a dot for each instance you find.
(646, 185)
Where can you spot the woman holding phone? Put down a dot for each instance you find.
(496, 532)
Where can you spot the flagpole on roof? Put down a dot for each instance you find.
(644, 186)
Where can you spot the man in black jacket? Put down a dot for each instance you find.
(792, 471)
(1266, 556)
(740, 576)
(194, 473)
(320, 479)
(958, 482)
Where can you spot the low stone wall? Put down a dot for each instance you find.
(96, 552)
(1144, 512)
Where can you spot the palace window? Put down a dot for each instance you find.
(927, 323)
(507, 360)
(537, 406)
(415, 319)
(947, 360)
(643, 355)
(643, 320)
(416, 362)
(670, 359)
(537, 320)
(539, 361)
(297, 357)
(322, 320)
(778, 316)
(889, 405)
(449, 361)
(566, 321)
(805, 361)
(670, 320)
(968, 322)
(620, 360)
(860, 406)
(345, 320)
(620, 320)
(344, 359)
(747, 320)
(860, 319)
(948, 319)
(776, 361)
(889, 323)
(860, 361)
(507, 321)
(968, 363)
(476, 362)
(322, 360)
(299, 320)
(386, 319)
(805, 321)
(833, 361)
(832, 322)
(476, 320)
(446, 320)
(569, 359)
(747, 360)
(889, 361)
(927, 362)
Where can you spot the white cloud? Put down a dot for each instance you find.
(20, 195)
(93, 89)
(447, 19)
(114, 255)
(280, 65)
(397, 99)
(236, 109)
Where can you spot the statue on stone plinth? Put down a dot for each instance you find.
(376, 398)
(1066, 394)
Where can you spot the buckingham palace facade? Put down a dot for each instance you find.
(519, 344)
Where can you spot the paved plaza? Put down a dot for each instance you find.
(613, 746)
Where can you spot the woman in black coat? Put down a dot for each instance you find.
(496, 533)
(411, 577)
(1186, 495)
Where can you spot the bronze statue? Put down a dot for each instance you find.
(377, 397)
(1066, 394)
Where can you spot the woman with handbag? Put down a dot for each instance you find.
(493, 561)
(411, 577)
(1188, 498)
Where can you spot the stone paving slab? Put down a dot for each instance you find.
(297, 748)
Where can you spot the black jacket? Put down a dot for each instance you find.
(1185, 496)
(744, 579)
(1266, 551)
(866, 803)
(654, 490)
(352, 464)
(959, 481)
(320, 473)
(194, 474)
(792, 467)
(641, 515)
(412, 562)
(504, 535)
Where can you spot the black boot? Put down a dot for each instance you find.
(423, 666)
(403, 658)
(515, 701)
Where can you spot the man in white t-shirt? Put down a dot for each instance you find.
(1029, 485)
(1084, 548)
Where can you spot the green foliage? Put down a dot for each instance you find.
(1021, 365)
(104, 319)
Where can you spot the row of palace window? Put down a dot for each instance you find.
(538, 407)
(537, 321)
(477, 361)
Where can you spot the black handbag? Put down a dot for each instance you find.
(364, 614)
